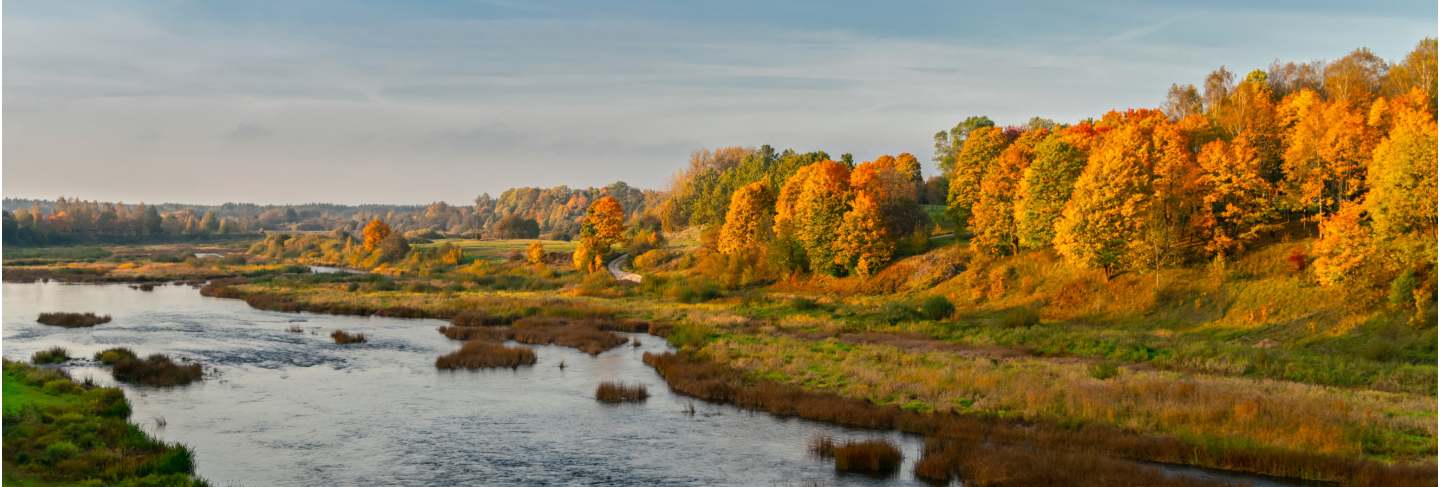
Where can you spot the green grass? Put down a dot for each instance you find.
(497, 250)
(59, 432)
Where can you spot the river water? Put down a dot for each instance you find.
(281, 408)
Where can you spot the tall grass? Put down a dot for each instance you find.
(480, 354)
(618, 392)
(583, 335)
(872, 457)
(52, 355)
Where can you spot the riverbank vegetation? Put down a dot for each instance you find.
(50, 356)
(72, 320)
(341, 337)
(60, 432)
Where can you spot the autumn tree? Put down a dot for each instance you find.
(374, 233)
(865, 245)
(1183, 101)
(1417, 70)
(810, 209)
(1327, 147)
(1402, 176)
(1237, 196)
(1344, 247)
(979, 152)
(1355, 78)
(994, 211)
(750, 220)
(535, 253)
(1111, 198)
(604, 226)
(1044, 189)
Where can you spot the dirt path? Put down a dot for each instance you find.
(621, 274)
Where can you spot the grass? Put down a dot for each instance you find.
(72, 320)
(481, 354)
(53, 355)
(620, 392)
(59, 432)
(156, 370)
(342, 337)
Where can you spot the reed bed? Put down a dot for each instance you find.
(583, 335)
(345, 338)
(480, 354)
(619, 392)
(871, 457)
(72, 320)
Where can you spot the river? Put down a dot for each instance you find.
(281, 408)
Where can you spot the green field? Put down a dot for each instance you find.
(500, 249)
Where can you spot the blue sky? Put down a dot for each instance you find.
(410, 102)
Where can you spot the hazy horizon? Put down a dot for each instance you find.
(441, 101)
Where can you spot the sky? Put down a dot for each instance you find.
(420, 101)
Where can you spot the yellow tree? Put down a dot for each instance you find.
(375, 232)
(993, 216)
(535, 253)
(749, 221)
(1402, 175)
(1237, 196)
(1175, 219)
(1344, 246)
(1327, 146)
(604, 226)
(976, 156)
(1111, 199)
(865, 245)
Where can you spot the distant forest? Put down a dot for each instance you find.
(551, 213)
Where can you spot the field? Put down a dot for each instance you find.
(498, 250)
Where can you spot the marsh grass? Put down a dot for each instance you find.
(72, 320)
(619, 392)
(584, 335)
(342, 337)
(156, 370)
(52, 355)
(870, 457)
(481, 354)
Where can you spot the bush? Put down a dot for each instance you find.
(894, 312)
(935, 308)
(72, 320)
(53, 355)
(804, 304)
(1402, 290)
(618, 392)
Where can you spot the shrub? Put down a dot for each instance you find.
(343, 338)
(804, 304)
(479, 354)
(935, 308)
(618, 392)
(893, 312)
(874, 457)
(72, 320)
(53, 355)
(1402, 290)
(1104, 370)
(113, 356)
